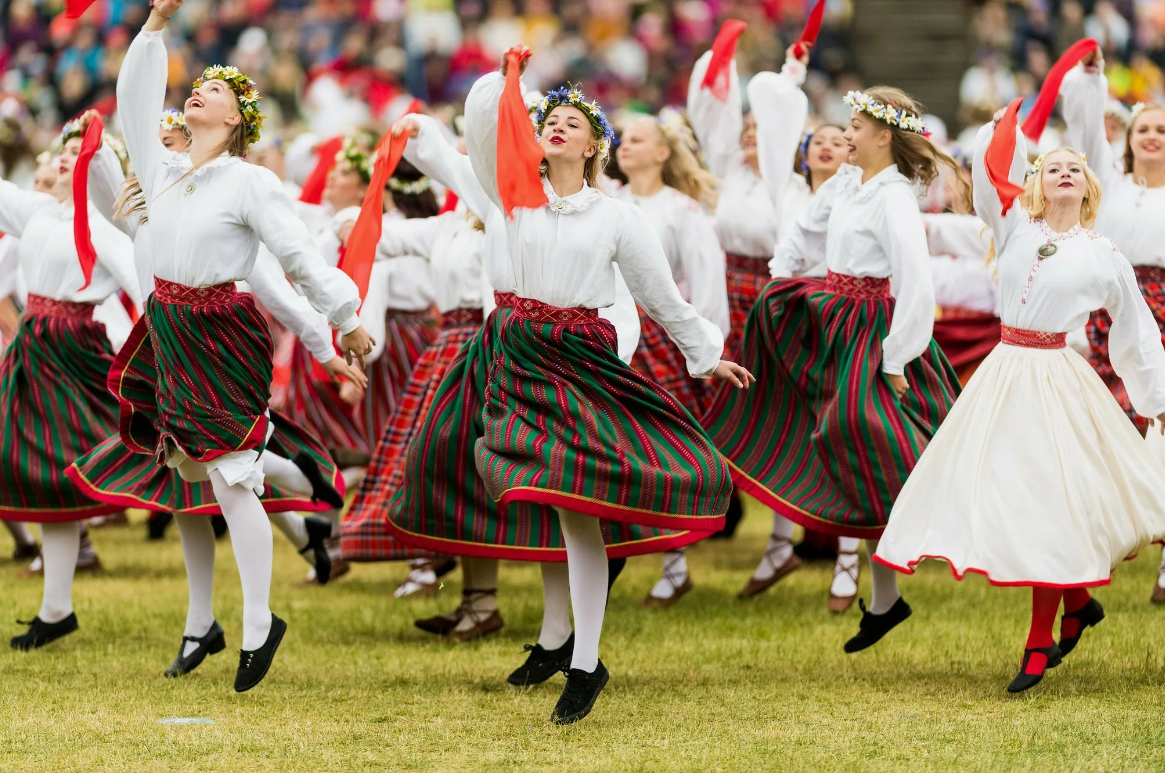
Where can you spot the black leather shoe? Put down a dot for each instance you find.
(213, 642)
(579, 696)
(41, 633)
(318, 532)
(1089, 615)
(541, 664)
(253, 664)
(219, 524)
(321, 488)
(1025, 681)
(731, 519)
(873, 627)
(25, 552)
(156, 525)
(615, 567)
(444, 567)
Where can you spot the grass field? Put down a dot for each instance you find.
(713, 684)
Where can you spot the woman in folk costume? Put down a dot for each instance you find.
(567, 424)
(665, 181)
(207, 213)
(1036, 477)
(852, 387)
(54, 405)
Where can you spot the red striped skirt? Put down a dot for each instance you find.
(746, 278)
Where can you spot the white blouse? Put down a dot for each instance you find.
(870, 230)
(205, 226)
(565, 254)
(692, 249)
(454, 251)
(404, 284)
(1132, 215)
(1056, 294)
(958, 245)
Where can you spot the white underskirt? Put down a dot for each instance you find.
(237, 467)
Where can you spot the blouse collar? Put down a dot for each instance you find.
(1051, 235)
(576, 202)
(181, 161)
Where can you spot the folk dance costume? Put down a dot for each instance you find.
(1036, 477)
(53, 402)
(193, 382)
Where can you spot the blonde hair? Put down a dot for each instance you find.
(682, 169)
(593, 167)
(1128, 157)
(1034, 202)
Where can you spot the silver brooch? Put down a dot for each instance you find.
(559, 205)
(1047, 250)
(189, 189)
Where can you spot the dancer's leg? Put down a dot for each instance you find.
(197, 536)
(885, 581)
(587, 570)
(251, 539)
(556, 606)
(61, 542)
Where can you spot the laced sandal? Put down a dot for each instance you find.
(839, 604)
(414, 586)
(680, 585)
(484, 623)
(777, 544)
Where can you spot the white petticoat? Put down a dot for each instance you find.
(1035, 478)
(245, 467)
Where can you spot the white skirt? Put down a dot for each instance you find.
(1036, 477)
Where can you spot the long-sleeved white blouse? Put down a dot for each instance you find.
(958, 244)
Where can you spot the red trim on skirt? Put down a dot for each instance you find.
(1032, 339)
(998, 583)
(864, 288)
(51, 307)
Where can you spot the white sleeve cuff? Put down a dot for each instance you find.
(349, 325)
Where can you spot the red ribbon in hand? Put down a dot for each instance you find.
(313, 186)
(1037, 119)
(74, 8)
(717, 77)
(360, 252)
(1000, 154)
(86, 254)
(519, 155)
(450, 204)
(812, 28)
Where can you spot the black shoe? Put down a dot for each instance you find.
(873, 627)
(1025, 681)
(321, 488)
(579, 695)
(445, 567)
(541, 664)
(731, 519)
(214, 641)
(25, 552)
(1089, 615)
(615, 567)
(156, 525)
(253, 664)
(318, 532)
(41, 633)
(219, 524)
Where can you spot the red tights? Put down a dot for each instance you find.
(1045, 606)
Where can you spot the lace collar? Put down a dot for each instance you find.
(852, 178)
(576, 202)
(1052, 236)
(181, 162)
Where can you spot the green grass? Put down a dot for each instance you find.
(712, 684)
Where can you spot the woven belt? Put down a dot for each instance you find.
(865, 288)
(537, 311)
(458, 317)
(1149, 273)
(1032, 339)
(178, 294)
(505, 300)
(51, 307)
(747, 265)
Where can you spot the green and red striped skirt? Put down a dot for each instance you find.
(195, 377)
(53, 408)
(746, 279)
(658, 358)
(1151, 281)
(568, 424)
(821, 437)
(447, 509)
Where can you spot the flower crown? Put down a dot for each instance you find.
(410, 187)
(1137, 109)
(1035, 167)
(887, 113)
(355, 158)
(70, 130)
(245, 89)
(172, 120)
(73, 129)
(573, 96)
(803, 150)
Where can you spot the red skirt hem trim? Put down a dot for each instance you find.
(909, 569)
(49, 515)
(795, 514)
(605, 510)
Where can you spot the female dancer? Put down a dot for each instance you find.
(665, 180)
(566, 422)
(853, 386)
(1036, 478)
(215, 429)
(53, 402)
(1131, 215)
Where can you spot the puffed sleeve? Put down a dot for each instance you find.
(988, 205)
(115, 252)
(434, 156)
(105, 182)
(268, 211)
(781, 109)
(400, 238)
(1134, 342)
(481, 131)
(17, 206)
(141, 96)
(704, 265)
(802, 243)
(717, 125)
(270, 286)
(912, 326)
(1084, 93)
(645, 268)
(9, 266)
(960, 236)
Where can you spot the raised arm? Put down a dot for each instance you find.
(1084, 93)
(1134, 343)
(17, 206)
(105, 182)
(481, 131)
(781, 110)
(988, 205)
(718, 125)
(704, 266)
(291, 309)
(803, 242)
(904, 236)
(141, 95)
(430, 152)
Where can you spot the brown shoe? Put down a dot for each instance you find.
(1158, 596)
(839, 604)
(755, 586)
(655, 602)
(487, 626)
(443, 625)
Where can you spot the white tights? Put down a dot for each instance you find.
(61, 543)
(885, 581)
(197, 537)
(586, 563)
(284, 474)
(20, 533)
(556, 606)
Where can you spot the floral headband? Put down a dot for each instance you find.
(245, 89)
(409, 187)
(803, 150)
(172, 120)
(887, 113)
(356, 159)
(70, 130)
(575, 98)
(73, 129)
(1035, 167)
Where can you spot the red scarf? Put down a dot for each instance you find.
(86, 254)
(1000, 154)
(313, 186)
(360, 253)
(519, 155)
(812, 28)
(1037, 119)
(717, 77)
